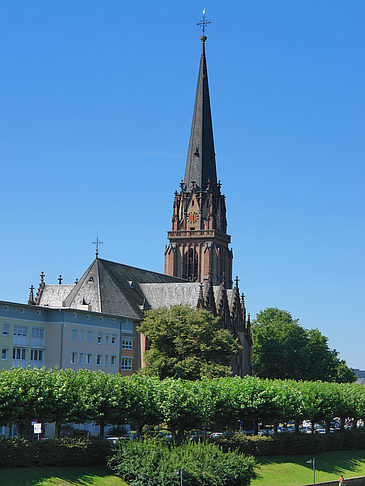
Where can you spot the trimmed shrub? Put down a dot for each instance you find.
(152, 462)
(72, 452)
(291, 444)
(16, 451)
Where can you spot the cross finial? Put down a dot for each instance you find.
(203, 24)
(42, 275)
(60, 279)
(237, 280)
(97, 243)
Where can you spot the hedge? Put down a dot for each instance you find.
(19, 452)
(291, 443)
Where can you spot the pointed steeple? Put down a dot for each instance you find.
(200, 164)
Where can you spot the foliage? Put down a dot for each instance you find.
(282, 349)
(187, 343)
(221, 403)
(154, 462)
(292, 444)
(72, 452)
(16, 451)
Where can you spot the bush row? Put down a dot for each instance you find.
(291, 444)
(19, 452)
(64, 396)
(153, 462)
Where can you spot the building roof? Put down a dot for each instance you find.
(116, 289)
(107, 287)
(200, 163)
(55, 293)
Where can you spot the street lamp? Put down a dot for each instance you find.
(180, 471)
(313, 461)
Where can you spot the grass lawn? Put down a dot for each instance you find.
(294, 471)
(59, 476)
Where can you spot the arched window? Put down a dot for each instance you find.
(190, 265)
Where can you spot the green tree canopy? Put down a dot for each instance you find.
(283, 349)
(187, 343)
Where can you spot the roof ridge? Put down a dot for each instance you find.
(144, 270)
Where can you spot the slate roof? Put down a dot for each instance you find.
(117, 289)
(114, 288)
(200, 163)
(168, 294)
(55, 293)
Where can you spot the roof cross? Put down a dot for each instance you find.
(203, 23)
(97, 243)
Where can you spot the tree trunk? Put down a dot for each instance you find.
(139, 428)
(20, 428)
(342, 424)
(296, 426)
(101, 433)
(276, 427)
(58, 429)
(255, 427)
(354, 424)
(328, 426)
(312, 426)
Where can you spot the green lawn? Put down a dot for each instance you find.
(294, 471)
(59, 476)
(273, 470)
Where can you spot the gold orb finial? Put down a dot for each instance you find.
(203, 38)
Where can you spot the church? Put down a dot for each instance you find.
(198, 259)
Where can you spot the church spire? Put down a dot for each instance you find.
(200, 163)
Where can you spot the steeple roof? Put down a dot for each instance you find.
(200, 164)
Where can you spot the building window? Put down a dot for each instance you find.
(89, 336)
(19, 353)
(6, 329)
(106, 338)
(81, 358)
(127, 343)
(82, 335)
(73, 358)
(106, 360)
(20, 331)
(98, 359)
(100, 338)
(114, 339)
(36, 355)
(113, 360)
(88, 359)
(4, 354)
(127, 364)
(74, 334)
(38, 332)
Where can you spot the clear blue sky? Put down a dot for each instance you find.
(96, 100)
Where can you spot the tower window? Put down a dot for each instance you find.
(190, 265)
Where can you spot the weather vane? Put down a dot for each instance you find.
(97, 243)
(203, 23)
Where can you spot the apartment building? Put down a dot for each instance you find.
(67, 338)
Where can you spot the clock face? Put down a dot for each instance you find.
(193, 217)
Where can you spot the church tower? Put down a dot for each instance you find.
(198, 241)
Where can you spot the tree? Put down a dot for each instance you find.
(285, 350)
(187, 343)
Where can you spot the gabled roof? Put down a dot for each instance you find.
(200, 163)
(114, 288)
